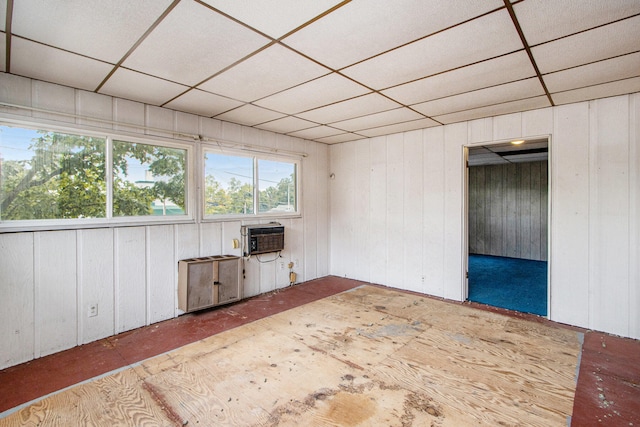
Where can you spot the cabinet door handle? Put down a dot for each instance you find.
(216, 283)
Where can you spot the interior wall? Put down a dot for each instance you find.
(508, 210)
(48, 278)
(397, 208)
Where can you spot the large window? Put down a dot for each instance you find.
(49, 175)
(240, 185)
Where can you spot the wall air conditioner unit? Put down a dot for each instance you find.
(264, 238)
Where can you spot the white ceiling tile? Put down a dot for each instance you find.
(273, 19)
(99, 29)
(40, 62)
(620, 87)
(594, 45)
(483, 38)
(317, 132)
(495, 110)
(544, 20)
(361, 29)
(249, 115)
(503, 69)
(378, 119)
(355, 107)
(619, 68)
(317, 93)
(192, 43)
(337, 139)
(131, 85)
(287, 125)
(479, 98)
(202, 103)
(399, 127)
(270, 71)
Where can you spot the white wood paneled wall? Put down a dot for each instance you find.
(397, 208)
(48, 279)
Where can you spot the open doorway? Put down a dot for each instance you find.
(507, 225)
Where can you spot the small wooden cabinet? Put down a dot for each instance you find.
(208, 281)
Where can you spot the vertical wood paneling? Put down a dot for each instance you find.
(342, 209)
(569, 265)
(433, 213)
(507, 126)
(296, 248)
(55, 98)
(211, 238)
(128, 112)
(455, 137)
(537, 122)
(634, 216)
(162, 268)
(17, 298)
(322, 219)
(15, 90)
(378, 203)
(56, 304)
(514, 196)
(130, 278)
(159, 118)
(96, 281)
(362, 219)
(610, 215)
(310, 178)
(92, 104)
(395, 209)
(230, 231)
(413, 211)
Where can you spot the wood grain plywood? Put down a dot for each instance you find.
(369, 356)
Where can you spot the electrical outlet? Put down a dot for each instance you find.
(93, 310)
(282, 266)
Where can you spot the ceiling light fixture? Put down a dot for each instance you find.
(518, 142)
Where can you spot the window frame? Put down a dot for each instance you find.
(109, 220)
(255, 155)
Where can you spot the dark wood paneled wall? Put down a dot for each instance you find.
(508, 210)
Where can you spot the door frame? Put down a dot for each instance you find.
(465, 211)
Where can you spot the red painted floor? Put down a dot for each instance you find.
(608, 388)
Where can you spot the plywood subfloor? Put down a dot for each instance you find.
(366, 357)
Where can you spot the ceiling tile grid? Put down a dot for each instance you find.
(330, 70)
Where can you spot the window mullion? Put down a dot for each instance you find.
(256, 188)
(109, 176)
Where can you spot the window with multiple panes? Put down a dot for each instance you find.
(60, 178)
(52, 175)
(249, 185)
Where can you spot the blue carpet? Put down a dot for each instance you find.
(515, 284)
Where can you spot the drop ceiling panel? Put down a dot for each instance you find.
(379, 119)
(317, 132)
(99, 29)
(361, 29)
(544, 20)
(287, 125)
(619, 68)
(337, 139)
(36, 61)
(483, 74)
(483, 38)
(601, 43)
(360, 106)
(192, 43)
(131, 85)
(494, 110)
(270, 71)
(249, 115)
(314, 94)
(202, 103)
(271, 18)
(489, 96)
(399, 127)
(599, 91)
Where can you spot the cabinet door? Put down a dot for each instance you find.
(200, 293)
(229, 287)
